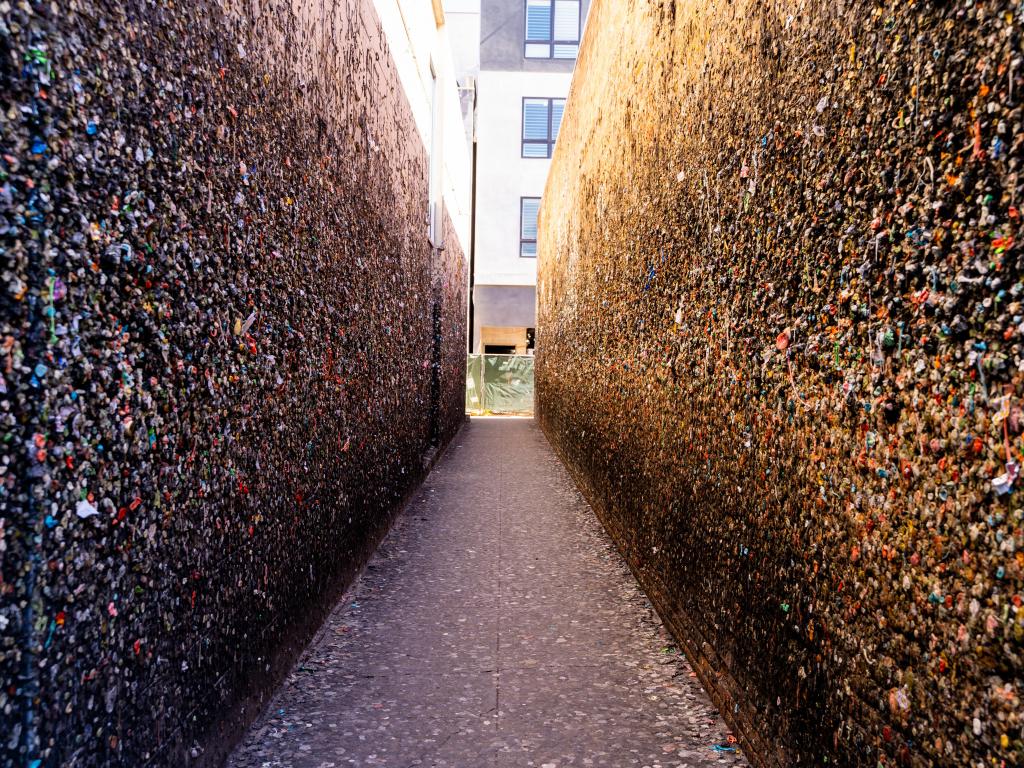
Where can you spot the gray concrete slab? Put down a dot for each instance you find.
(496, 626)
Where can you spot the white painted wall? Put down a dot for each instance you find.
(415, 41)
(503, 176)
(462, 18)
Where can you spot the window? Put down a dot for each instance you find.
(541, 118)
(552, 29)
(528, 209)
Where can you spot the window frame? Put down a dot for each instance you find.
(551, 42)
(550, 140)
(522, 199)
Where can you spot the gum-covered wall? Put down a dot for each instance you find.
(226, 350)
(780, 346)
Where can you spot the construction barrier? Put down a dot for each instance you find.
(499, 384)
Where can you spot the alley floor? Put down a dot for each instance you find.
(495, 626)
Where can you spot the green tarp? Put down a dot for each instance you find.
(499, 384)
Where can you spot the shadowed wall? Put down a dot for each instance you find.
(779, 326)
(227, 349)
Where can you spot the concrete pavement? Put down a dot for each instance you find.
(495, 626)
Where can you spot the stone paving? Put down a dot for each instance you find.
(495, 626)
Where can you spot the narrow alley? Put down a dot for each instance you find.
(470, 640)
(493, 383)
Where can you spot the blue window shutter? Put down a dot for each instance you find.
(535, 119)
(531, 206)
(567, 21)
(557, 108)
(528, 209)
(538, 20)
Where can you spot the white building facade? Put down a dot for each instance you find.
(420, 43)
(527, 52)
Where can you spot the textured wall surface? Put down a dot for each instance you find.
(779, 344)
(226, 348)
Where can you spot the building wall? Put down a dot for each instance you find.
(779, 347)
(462, 22)
(419, 48)
(504, 295)
(504, 306)
(462, 18)
(503, 176)
(228, 351)
(502, 31)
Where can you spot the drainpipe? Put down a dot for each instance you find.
(472, 231)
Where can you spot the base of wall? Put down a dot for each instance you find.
(723, 689)
(256, 691)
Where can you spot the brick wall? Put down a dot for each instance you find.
(227, 348)
(779, 344)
